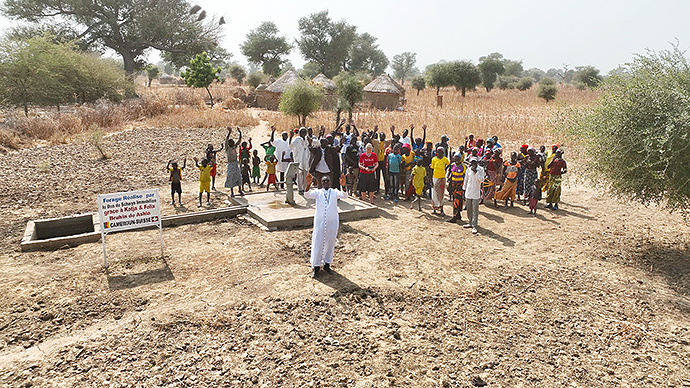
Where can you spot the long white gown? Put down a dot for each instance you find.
(282, 146)
(301, 155)
(326, 221)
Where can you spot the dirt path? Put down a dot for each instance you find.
(596, 294)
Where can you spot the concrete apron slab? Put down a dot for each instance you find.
(56, 233)
(271, 210)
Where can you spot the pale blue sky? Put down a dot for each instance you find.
(542, 33)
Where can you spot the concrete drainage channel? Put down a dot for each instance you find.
(56, 233)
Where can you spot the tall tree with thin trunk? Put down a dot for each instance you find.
(402, 64)
(201, 74)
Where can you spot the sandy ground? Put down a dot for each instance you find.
(594, 295)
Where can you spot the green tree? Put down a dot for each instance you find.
(201, 74)
(256, 78)
(325, 42)
(237, 72)
(490, 69)
(513, 68)
(365, 55)
(402, 65)
(465, 75)
(587, 76)
(439, 75)
(129, 27)
(635, 135)
(419, 83)
(547, 89)
(301, 100)
(266, 47)
(152, 72)
(350, 91)
(524, 83)
(310, 70)
(536, 74)
(39, 72)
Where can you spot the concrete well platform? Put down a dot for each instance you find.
(270, 209)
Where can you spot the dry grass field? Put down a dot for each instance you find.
(512, 115)
(596, 294)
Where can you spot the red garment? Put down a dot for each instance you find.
(557, 166)
(368, 161)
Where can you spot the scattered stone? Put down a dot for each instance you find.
(478, 382)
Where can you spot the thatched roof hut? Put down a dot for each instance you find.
(330, 96)
(384, 93)
(328, 85)
(269, 97)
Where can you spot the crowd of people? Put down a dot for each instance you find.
(401, 167)
(366, 163)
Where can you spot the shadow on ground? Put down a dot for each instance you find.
(671, 261)
(152, 276)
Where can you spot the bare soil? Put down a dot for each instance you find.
(596, 294)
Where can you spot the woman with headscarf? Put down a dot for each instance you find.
(532, 162)
(234, 177)
(438, 165)
(520, 188)
(493, 168)
(557, 167)
(510, 172)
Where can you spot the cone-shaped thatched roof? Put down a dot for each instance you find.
(324, 81)
(285, 80)
(384, 84)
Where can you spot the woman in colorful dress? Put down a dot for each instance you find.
(234, 177)
(557, 168)
(510, 172)
(531, 163)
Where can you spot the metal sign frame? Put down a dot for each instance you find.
(133, 209)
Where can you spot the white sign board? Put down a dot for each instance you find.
(130, 210)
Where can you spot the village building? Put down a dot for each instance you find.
(329, 93)
(269, 98)
(384, 93)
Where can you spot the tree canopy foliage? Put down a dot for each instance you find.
(547, 89)
(325, 42)
(636, 135)
(365, 55)
(419, 83)
(465, 75)
(490, 68)
(39, 72)
(402, 65)
(237, 72)
(301, 99)
(200, 73)
(587, 76)
(439, 76)
(264, 46)
(350, 91)
(129, 27)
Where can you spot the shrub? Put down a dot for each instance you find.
(301, 100)
(547, 89)
(636, 134)
(525, 83)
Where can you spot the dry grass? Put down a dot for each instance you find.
(512, 115)
(8, 140)
(187, 117)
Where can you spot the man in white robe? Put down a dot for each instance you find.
(326, 222)
(282, 152)
(301, 155)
